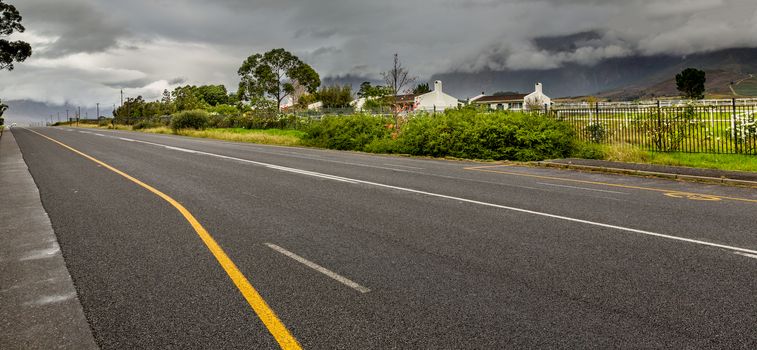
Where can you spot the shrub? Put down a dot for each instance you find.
(353, 132)
(463, 133)
(596, 132)
(467, 133)
(196, 119)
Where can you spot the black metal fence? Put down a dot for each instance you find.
(682, 128)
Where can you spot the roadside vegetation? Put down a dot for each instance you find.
(463, 133)
(631, 154)
(268, 136)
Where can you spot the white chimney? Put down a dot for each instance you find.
(538, 88)
(438, 86)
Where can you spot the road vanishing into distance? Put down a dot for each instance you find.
(175, 242)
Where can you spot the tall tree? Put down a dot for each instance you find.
(421, 89)
(132, 111)
(369, 91)
(167, 106)
(11, 51)
(275, 74)
(335, 96)
(3, 108)
(187, 98)
(690, 82)
(213, 94)
(397, 79)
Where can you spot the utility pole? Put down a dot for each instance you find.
(67, 118)
(98, 110)
(122, 97)
(78, 116)
(58, 117)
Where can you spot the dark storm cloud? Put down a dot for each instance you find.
(94, 46)
(77, 25)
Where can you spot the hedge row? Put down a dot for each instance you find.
(464, 133)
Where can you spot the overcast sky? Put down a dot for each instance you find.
(87, 50)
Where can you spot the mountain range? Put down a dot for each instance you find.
(624, 78)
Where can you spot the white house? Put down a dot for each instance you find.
(537, 99)
(359, 103)
(316, 106)
(514, 101)
(500, 102)
(435, 100)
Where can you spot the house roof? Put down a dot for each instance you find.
(499, 99)
(410, 98)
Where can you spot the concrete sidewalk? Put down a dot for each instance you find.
(39, 308)
(741, 178)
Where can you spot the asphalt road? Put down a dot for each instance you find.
(356, 251)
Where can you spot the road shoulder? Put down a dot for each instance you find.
(733, 178)
(39, 307)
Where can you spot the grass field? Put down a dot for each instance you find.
(707, 130)
(737, 162)
(747, 87)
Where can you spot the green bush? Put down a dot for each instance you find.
(354, 132)
(464, 133)
(472, 134)
(196, 119)
(596, 132)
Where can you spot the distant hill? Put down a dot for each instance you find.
(618, 78)
(25, 111)
(718, 86)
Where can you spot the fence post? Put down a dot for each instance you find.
(733, 126)
(658, 135)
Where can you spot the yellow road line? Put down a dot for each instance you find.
(282, 335)
(488, 169)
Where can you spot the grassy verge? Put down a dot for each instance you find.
(738, 162)
(268, 136)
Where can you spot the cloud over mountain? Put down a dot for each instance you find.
(87, 50)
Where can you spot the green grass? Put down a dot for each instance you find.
(268, 136)
(272, 132)
(738, 162)
(747, 87)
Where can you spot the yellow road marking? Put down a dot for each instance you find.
(689, 195)
(694, 197)
(282, 335)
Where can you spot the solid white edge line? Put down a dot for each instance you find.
(753, 256)
(526, 211)
(339, 278)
